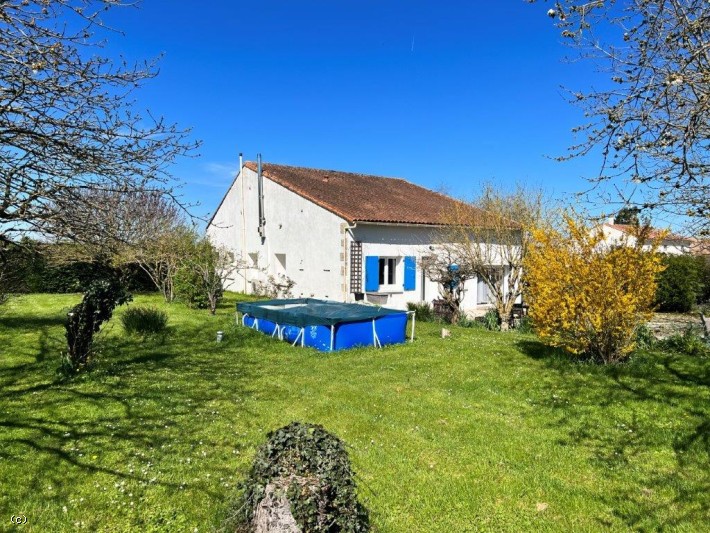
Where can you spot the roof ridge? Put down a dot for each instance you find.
(359, 197)
(338, 171)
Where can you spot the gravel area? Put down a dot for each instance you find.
(665, 324)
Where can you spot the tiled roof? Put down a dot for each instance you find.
(626, 228)
(363, 198)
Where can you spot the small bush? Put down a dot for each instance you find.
(687, 343)
(424, 311)
(465, 322)
(525, 325)
(313, 468)
(491, 320)
(144, 321)
(644, 337)
(278, 286)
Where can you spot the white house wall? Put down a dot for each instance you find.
(616, 237)
(401, 241)
(308, 236)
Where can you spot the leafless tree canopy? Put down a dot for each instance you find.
(491, 236)
(450, 269)
(112, 224)
(653, 122)
(67, 121)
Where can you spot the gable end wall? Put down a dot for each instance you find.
(309, 237)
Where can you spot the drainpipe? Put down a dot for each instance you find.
(260, 183)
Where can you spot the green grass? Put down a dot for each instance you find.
(468, 433)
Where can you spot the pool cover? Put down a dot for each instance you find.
(326, 326)
(304, 312)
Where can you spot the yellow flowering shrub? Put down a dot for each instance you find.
(587, 296)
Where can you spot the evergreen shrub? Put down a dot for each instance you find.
(320, 487)
(679, 285)
(144, 321)
(86, 318)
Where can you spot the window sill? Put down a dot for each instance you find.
(385, 290)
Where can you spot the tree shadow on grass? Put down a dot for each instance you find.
(141, 396)
(30, 322)
(49, 338)
(645, 423)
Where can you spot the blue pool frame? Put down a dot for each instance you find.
(378, 332)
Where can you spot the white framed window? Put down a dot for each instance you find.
(483, 292)
(280, 264)
(388, 271)
(254, 258)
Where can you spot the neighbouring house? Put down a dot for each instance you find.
(671, 244)
(338, 235)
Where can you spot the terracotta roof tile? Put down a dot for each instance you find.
(363, 198)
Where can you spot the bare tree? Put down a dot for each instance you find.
(213, 267)
(122, 229)
(652, 123)
(111, 225)
(450, 270)
(162, 256)
(492, 239)
(67, 121)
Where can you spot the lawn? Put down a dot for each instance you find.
(479, 431)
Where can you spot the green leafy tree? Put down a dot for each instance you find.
(704, 266)
(628, 215)
(203, 272)
(680, 284)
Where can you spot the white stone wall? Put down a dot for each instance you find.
(616, 237)
(306, 235)
(400, 241)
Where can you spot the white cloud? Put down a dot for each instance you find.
(214, 174)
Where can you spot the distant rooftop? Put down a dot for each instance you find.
(654, 233)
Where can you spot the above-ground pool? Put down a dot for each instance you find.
(324, 325)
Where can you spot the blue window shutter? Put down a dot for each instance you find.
(372, 273)
(410, 273)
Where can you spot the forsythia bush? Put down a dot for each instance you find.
(587, 296)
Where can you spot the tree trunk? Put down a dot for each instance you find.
(505, 312)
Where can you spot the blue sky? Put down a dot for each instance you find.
(446, 95)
